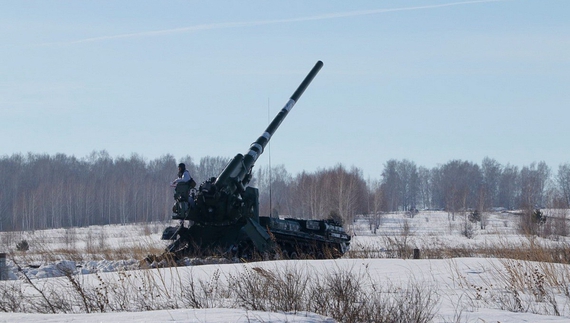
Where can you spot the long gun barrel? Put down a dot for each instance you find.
(235, 175)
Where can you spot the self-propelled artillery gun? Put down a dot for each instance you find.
(221, 216)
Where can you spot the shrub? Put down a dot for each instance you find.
(475, 216)
(22, 246)
(468, 231)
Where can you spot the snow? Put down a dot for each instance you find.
(213, 315)
(465, 289)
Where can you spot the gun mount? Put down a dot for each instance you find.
(223, 212)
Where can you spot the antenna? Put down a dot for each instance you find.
(270, 171)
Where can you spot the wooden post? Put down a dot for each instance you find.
(3, 267)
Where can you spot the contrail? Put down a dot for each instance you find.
(268, 22)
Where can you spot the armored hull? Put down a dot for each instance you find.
(287, 238)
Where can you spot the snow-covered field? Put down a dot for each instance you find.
(462, 289)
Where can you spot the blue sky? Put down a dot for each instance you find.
(429, 81)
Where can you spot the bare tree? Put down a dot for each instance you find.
(329, 191)
(274, 185)
(533, 182)
(461, 181)
(377, 198)
(210, 167)
(392, 185)
(491, 170)
(348, 192)
(409, 182)
(509, 188)
(563, 178)
(306, 193)
(424, 187)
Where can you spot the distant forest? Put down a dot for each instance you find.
(39, 191)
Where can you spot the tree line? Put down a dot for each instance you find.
(456, 186)
(40, 191)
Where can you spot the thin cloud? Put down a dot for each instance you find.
(268, 22)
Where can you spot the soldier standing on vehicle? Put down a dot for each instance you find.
(183, 184)
(183, 175)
